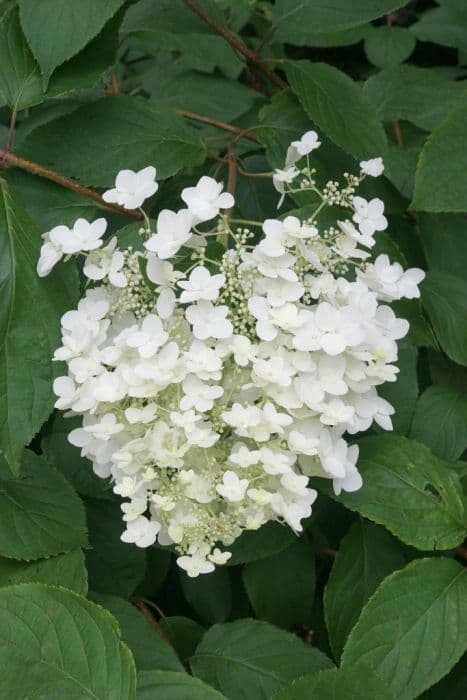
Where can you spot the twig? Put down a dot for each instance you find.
(11, 159)
(237, 45)
(461, 552)
(137, 602)
(240, 133)
(114, 85)
(398, 133)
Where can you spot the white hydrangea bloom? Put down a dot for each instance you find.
(132, 188)
(211, 391)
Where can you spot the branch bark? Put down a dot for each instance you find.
(7, 158)
(237, 45)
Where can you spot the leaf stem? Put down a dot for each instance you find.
(137, 602)
(237, 45)
(7, 158)
(240, 133)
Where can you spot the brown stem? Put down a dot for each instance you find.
(461, 552)
(11, 159)
(237, 45)
(114, 85)
(240, 133)
(398, 133)
(150, 618)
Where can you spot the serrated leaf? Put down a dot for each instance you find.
(56, 30)
(149, 650)
(184, 634)
(122, 132)
(445, 300)
(30, 309)
(412, 631)
(253, 545)
(338, 107)
(444, 241)
(250, 659)
(452, 686)
(173, 686)
(114, 568)
(20, 78)
(366, 555)
(417, 95)
(209, 596)
(70, 647)
(65, 570)
(386, 46)
(403, 393)
(294, 16)
(409, 491)
(281, 588)
(358, 683)
(440, 421)
(40, 514)
(441, 175)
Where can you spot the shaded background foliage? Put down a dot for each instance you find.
(371, 601)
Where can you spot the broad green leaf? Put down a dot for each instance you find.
(281, 588)
(250, 659)
(40, 514)
(343, 37)
(169, 685)
(30, 309)
(452, 686)
(184, 634)
(444, 241)
(441, 177)
(67, 459)
(281, 121)
(358, 683)
(56, 30)
(403, 393)
(149, 650)
(65, 570)
(409, 491)
(253, 545)
(412, 631)
(445, 300)
(338, 107)
(386, 46)
(366, 555)
(20, 78)
(417, 95)
(114, 568)
(122, 132)
(441, 26)
(157, 568)
(440, 421)
(56, 644)
(295, 16)
(227, 99)
(209, 596)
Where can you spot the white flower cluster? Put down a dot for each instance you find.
(211, 390)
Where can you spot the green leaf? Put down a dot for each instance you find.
(149, 650)
(440, 421)
(65, 570)
(227, 101)
(122, 132)
(366, 555)
(114, 568)
(30, 309)
(412, 631)
(40, 514)
(253, 545)
(184, 634)
(441, 26)
(67, 459)
(209, 596)
(338, 106)
(301, 36)
(20, 78)
(281, 121)
(293, 16)
(409, 491)
(386, 46)
(56, 644)
(445, 299)
(403, 393)
(444, 241)
(358, 683)
(452, 686)
(56, 30)
(418, 95)
(441, 176)
(250, 659)
(281, 588)
(168, 685)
